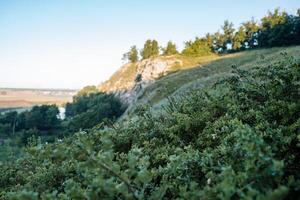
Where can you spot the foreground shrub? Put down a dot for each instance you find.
(236, 140)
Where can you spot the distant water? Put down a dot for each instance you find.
(62, 112)
(18, 110)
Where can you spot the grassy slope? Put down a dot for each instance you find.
(124, 75)
(205, 74)
(124, 78)
(238, 140)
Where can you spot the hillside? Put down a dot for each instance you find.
(124, 81)
(237, 139)
(216, 118)
(164, 77)
(213, 70)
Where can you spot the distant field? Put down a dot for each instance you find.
(22, 98)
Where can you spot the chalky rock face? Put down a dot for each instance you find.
(151, 69)
(124, 83)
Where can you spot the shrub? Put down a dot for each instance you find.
(89, 110)
(236, 140)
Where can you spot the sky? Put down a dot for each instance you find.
(74, 43)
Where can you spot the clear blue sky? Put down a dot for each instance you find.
(73, 43)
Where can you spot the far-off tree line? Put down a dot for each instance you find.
(277, 28)
(89, 108)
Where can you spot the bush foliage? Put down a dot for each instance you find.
(236, 140)
(39, 121)
(89, 109)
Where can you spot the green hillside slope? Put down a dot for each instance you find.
(236, 139)
(208, 72)
(183, 74)
(124, 78)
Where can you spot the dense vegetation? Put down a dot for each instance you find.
(150, 49)
(39, 121)
(275, 29)
(88, 109)
(171, 49)
(132, 55)
(16, 129)
(238, 139)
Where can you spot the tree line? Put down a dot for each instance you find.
(39, 121)
(277, 28)
(89, 108)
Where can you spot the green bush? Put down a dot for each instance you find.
(198, 47)
(236, 140)
(90, 109)
(41, 121)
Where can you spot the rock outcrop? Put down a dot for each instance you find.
(131, 78)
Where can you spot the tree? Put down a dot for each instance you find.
(239, 39)
(273, 18)
(198, 47)
(89, 110)
(228, 34)
(87, 90)
(209, 40)
(27, 134)
(146, 51)
(273, 27)
(132, 55)
(154, 48)
(42, 117)
(150, 49)
(218, 41)
(251, 28)
(297, 26)
(9, 122)
(170, 49)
